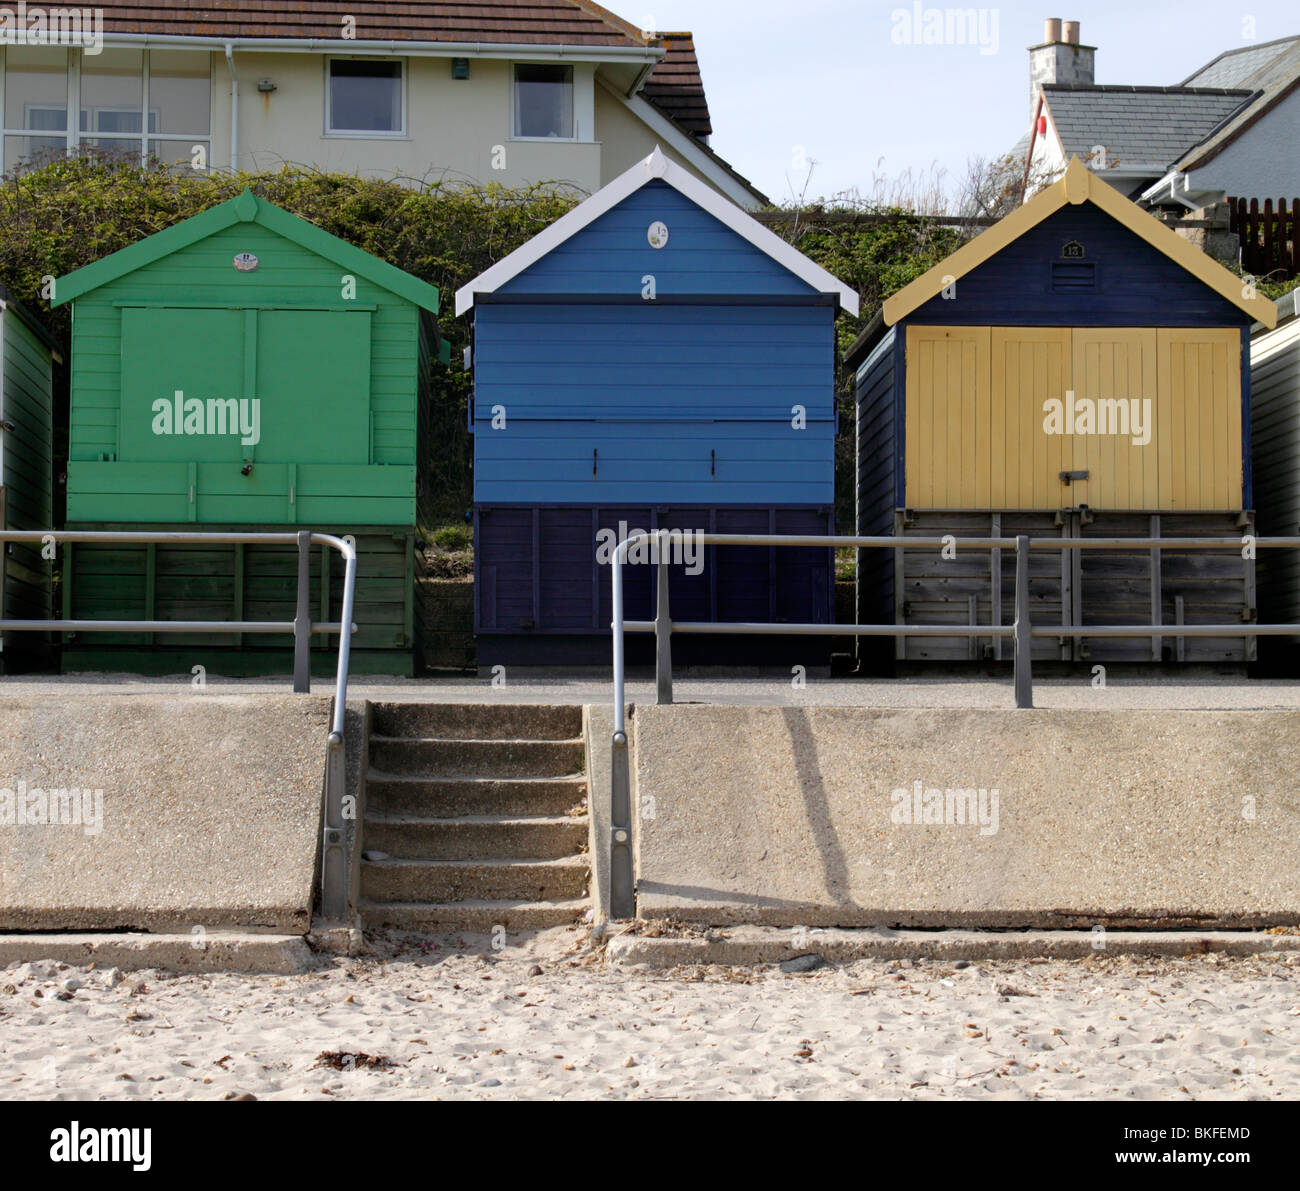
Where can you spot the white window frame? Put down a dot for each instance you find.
(73, 134)
(363, 134)
(514, 106)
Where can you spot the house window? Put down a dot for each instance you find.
(364, 97)
(126, 100)
(112, 102)
(544, 101)
(180, 105)
(35, 101)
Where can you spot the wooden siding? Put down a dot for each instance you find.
(1133, 282)
(948, 382)
(975, 423)
(106, 481)
(104, 582)
(536, 569)
(1200, 379)
(26, 484)
(612, 256)
(1082, 587)
(878, 469)
(618, 404)
(1275, 409)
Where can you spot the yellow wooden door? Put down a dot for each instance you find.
(1030, 366)
(1116, 419)
(1198, 418)
(947, 418)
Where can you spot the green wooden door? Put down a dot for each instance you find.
(229, 416)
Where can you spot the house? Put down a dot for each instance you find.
(27, 358)
(1275, 399)
(1076, 370)
(244, 370)
(1230, 128)
(498, 91)
(656, 359)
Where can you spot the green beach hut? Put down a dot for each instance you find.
(244, 370)
(27, 357)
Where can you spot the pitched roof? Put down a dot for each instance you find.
(1138, 125)
(1271, 71)
(11, 305)
(245, 208)
(529, 22)
(1079, 185)
(1245, 67)
(608, 197)
(675, 86)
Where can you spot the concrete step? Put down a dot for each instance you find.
(459, 880)
(422, 757)
(478, 721)
(477, 837)
(457, 797)
(474, 915)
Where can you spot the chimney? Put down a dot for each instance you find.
(1060, 59)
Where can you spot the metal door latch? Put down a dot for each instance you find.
(1068, 477)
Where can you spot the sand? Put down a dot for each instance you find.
(452, 1018)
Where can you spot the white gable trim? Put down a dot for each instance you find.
(628, 183)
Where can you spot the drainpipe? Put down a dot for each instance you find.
(234, 109)
(1029, 157)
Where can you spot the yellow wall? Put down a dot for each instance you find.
(976, 426)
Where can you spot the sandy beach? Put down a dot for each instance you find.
(549, 1018)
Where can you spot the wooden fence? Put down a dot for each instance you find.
(1270, 247)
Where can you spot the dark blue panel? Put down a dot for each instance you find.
(612, 255)
(1136, 285)
(573, 583)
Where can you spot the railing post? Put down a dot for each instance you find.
(1024, 640)
(663, 628)
(334, 874)
(622, 881)
(622, 874)
(302, 618)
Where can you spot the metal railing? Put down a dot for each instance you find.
(334, 867)
(622, 897)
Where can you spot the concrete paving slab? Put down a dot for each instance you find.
(214, 952)
(750, 945)
(161, 813)
(1172, 692)
(1008, 819)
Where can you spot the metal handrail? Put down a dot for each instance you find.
(622, 896)
(334, 869)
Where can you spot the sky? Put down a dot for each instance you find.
(837, 82)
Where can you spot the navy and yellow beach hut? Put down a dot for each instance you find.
(245, 370)
(656, 359)
(1078, 369)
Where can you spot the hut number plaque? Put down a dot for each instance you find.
(246, 262)
(1073, 250)
(657, 234)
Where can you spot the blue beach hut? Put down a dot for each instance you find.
(656, 359)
